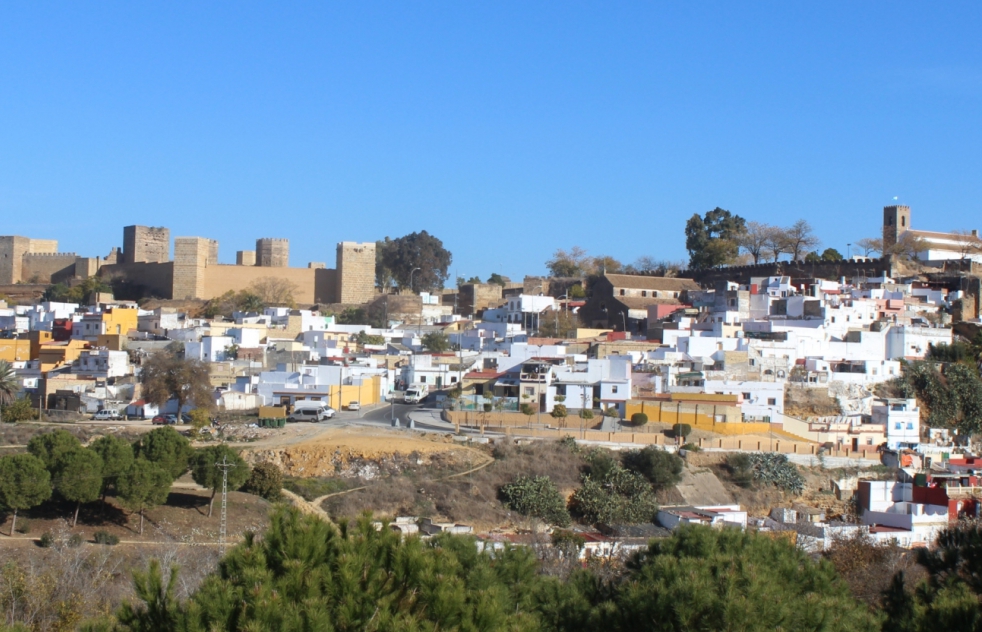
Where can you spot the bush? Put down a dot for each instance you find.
(620, 497)
(265, 481)
(538, 497)
(682, 430)
(75, 541)
(775, 469)
(104, 537)
(600, 462)
(639, 419)
(662, 469)
(741, 469)
(487, 408)
(24, 526)
(19, 410)
(691, 447)
(586, 414)
(46, 540)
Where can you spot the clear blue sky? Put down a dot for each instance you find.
(506, 129)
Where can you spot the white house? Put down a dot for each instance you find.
(210, 349)
(902, 420)
(102, 363)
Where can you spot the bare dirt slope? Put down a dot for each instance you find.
(361, 452)
(699, 486)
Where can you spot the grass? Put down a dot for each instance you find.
(311, 488)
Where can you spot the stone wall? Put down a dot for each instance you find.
(797, 270)
(477, 296)
(48, 267)
(12, 251)
(272, 253)
(190, 260)
(146, 244)
(312, 285)
(245, 258)
(142, 279)
(355, 272)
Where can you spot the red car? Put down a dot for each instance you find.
(162, 420)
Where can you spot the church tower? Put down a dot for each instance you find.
(896, 221)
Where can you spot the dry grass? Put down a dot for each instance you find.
(21, 433)
(472, 498)
(805, 402)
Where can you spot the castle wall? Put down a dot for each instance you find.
(145, 244)
(190, 260)
(12, 251)
(147, 278)
(356, 272)
(48, 267)
(795, 269)
(313, 285)
(245, 258)
(272, 252)
(43, 246)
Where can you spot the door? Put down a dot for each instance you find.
(855, 443)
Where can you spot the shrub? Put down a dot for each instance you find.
(488, 407)
(775, 469)
(682, 430)
(639, 419)
(691, 447)
(104, 537)
(24, 526)
(600, 463)
(662, 469)
(19, 410)
(46, 540)
(74, 541)
(266, 481)
(570, 443)
(741, 469)
(620, 497)
(538, 497)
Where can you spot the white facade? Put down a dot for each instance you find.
(210, 349)
(103, 363)
(902, 421)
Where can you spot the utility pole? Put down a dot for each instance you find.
(222, 529)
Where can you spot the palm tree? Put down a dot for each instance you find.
(8, 384)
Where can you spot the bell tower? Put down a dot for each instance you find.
(896, 221)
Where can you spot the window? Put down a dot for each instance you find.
(622, 292)
(644, 293)
(561, 389)
(746, 396)
(453, 380)
(530, 390)
(898, 426)
(869, 440)
(772, 401)
(613, 389)
(910, 425)
(422, 379)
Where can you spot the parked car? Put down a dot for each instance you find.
(171, 419)
(311, 411)
(185, 418)
(159, 420)
(107, 415)
(354, 406)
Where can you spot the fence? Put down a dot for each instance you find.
(720, 419)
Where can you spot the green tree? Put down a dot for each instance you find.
(304, 574)
(145, 486)
(528, 410)
(727, 579)
(77, 477)
(207, 473)
(50, 446)
(568, 263)
(538, 497)
(363, 338)
(265, 481)
(18, 410)
(420, 251)
(436, 341)
(24, 483)
(560, 412)
(831, 254)
(8, 385)
(165, 447)
(497, 279)
(639, 419)
(662, 469)
(117, 457)
(681, 430)
(714, 239)
(618, 497)
(166, 376)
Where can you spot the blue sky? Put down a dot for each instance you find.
(506, 129)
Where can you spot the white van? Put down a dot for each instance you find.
(311, 411)
(414, 394)
(107, 415)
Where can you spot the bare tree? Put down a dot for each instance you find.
(571, 263)
(908, 246)
(274, 291)
(775, 244)
(870, 244)
(969, 243)
(799, 239)
(757, 239)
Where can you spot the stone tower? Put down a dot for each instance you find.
(272, 253)
(191, 257)
(145, 244)
(356, 272)
(896, 221)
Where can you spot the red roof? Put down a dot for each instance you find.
(483, 374)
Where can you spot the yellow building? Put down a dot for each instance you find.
(119, 320)
(57, 354)
(15, 349)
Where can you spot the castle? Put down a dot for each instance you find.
(145, 264)
(934, 246)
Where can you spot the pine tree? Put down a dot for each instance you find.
(205, 471)
(167, 448)
(49, 446)
(24, 483)
(77, 477)
(117, 457)
(143, 487)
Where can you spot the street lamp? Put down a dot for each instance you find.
(419, 326)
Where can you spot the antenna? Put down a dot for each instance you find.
(224, 465)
